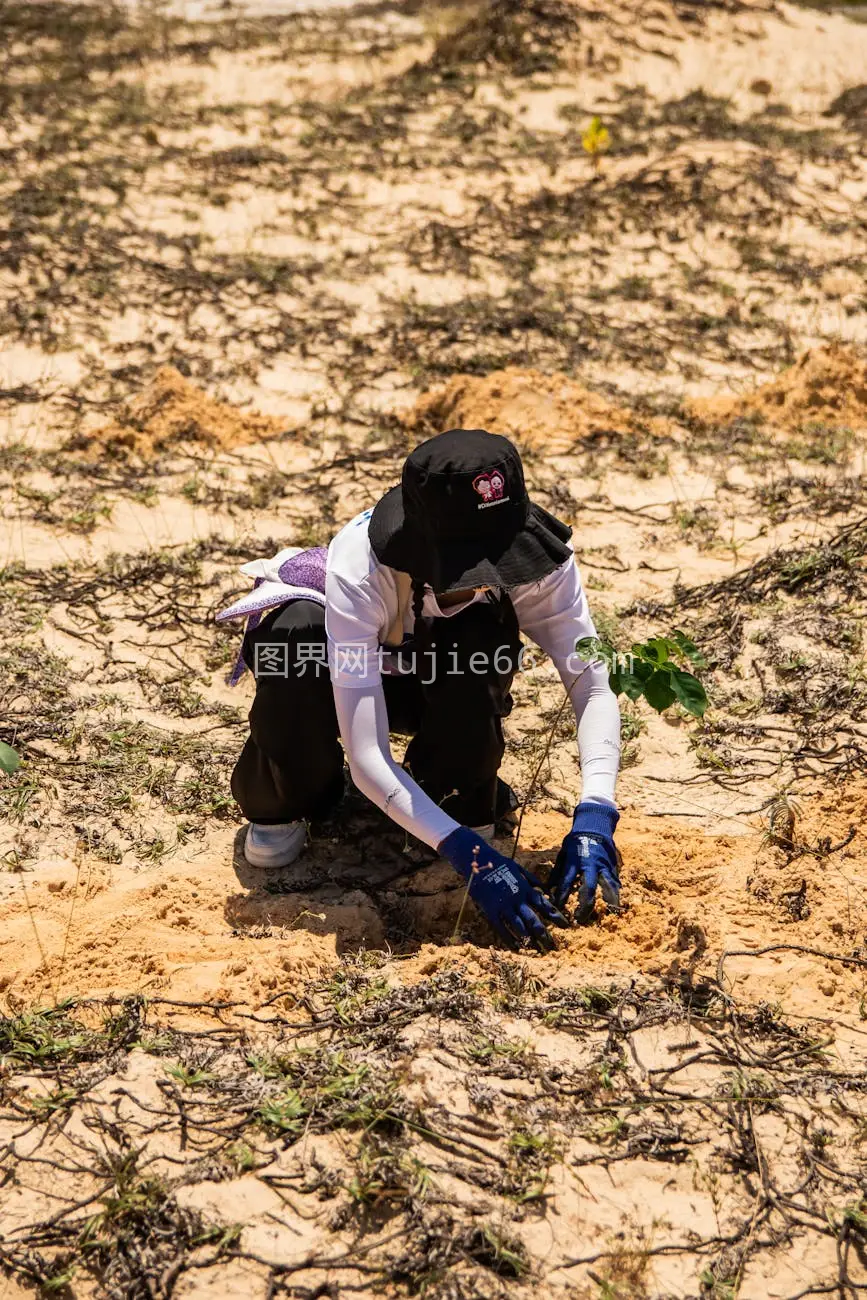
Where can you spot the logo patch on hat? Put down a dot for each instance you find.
(491, 486)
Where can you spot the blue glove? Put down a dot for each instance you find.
(510, 897)
(588, 851)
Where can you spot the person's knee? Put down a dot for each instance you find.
(482, 745)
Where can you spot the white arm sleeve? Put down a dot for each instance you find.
(554, 613)
(353, 614)
(363, 720)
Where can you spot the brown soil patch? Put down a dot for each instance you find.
(541, 412)
(172, 409)
(211, 928)
(826, 385)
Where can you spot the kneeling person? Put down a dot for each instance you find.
(410, 622)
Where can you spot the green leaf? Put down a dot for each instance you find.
(623, 683)
(688, 649)
(630, 681)
(9, 760)
(656, 651)
(689, 691)
(658, 690)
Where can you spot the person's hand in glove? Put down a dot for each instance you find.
(590, 858)
(510, 897)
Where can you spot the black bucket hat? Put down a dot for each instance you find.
(461, 517)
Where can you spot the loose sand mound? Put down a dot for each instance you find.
(826, 385)
(172, 409)
(541, 412)
(524, 37)
(529, 36)
(212, 929)
(553, 413)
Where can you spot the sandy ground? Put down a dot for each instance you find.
(245, 264)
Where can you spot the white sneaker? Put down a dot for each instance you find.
(486, 832)
(274, 846)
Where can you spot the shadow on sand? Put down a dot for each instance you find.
(359, 880)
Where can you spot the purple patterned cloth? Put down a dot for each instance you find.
(306, 569)
(298, 576)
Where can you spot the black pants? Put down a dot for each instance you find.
(291, 766)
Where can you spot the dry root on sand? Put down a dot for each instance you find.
(454, 1139)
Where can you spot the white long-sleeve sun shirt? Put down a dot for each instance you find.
(368, 608)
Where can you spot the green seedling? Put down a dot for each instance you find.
(264, 1064)
(502, 1255)
(652, 669)
(59, 1281)
(717, 1288)
(153, 1044)
(285, 1113)
(486, 1049)
(189, 1078)
(38, 1038)
(242, 1156)
(60, 1099)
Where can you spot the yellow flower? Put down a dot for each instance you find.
(596, 139)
